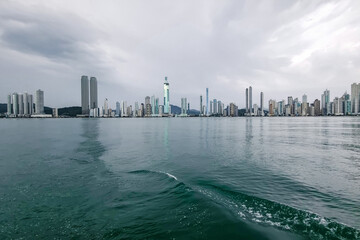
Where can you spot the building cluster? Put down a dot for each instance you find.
(151, 107)
(89, 98)
(340, 106)
(345, 105)
(23, 105)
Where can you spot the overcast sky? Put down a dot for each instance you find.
(282, 48)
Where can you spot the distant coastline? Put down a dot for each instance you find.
(75, 112)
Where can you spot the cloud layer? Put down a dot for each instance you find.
(282, 48)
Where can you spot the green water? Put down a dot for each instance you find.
(194, 178)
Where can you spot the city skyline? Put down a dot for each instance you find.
(292, 53)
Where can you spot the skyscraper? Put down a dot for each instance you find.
(124, 111)
(317, 109)
(304, 98)
(21, 104)
(137, 109)
(156, 106)
(153, 104)
(117, 112)
(9, 104)
(247, 101)
(26, 103)
(325, 102)
(31, 104)
(106, 107)
(167, 109)
(201, 105)
(84, 95)
(250, 100)
(148, 106)
(15, 103)
(207, 101)
(39, 102)
(355, 98)
(215, 106)
(261, 104)
(183, 106)
(93, 93)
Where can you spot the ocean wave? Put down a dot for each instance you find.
(266, 212)
(154, 172)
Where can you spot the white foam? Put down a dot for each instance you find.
(170, 175)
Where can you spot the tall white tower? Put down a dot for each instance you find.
(167, 109)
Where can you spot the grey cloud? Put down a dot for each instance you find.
(279, 47)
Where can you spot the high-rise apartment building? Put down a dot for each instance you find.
(201, 106)
(117, 111)
(106, 108)
(261, 104)
(124, 110)
(183, 106)
(26, 103)
(39, 102)
(317, 107)
(85, 106)
(215, 107)
(247, 101)
(207, 101)
(93, 93)
(325, 102)
(250, 101)
(31, 104)
(157, 106)
(9, 110)
(355, 98)
(21, 104)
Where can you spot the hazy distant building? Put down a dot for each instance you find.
(201, 106)
(147, 107)
(304, 106)
(137, 109)
(85, 95)
(124, 110)
(39, 102)
(167, 109)
(261, 104)
(9, 110)
(93, 93)
(325, 102)
(21, 104)
(317, 108)
(215, 106)
(55, 112)
(304, 98)
(256, 110)
(152, 104)
(233, 110)
(355, 97)
(247, 101)
(26, 103)
(183, 107)
(207, 101)
(272, 107)
(31, 104)
(338, 106)
(117, 111)
(250, 101)
(347, 104)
